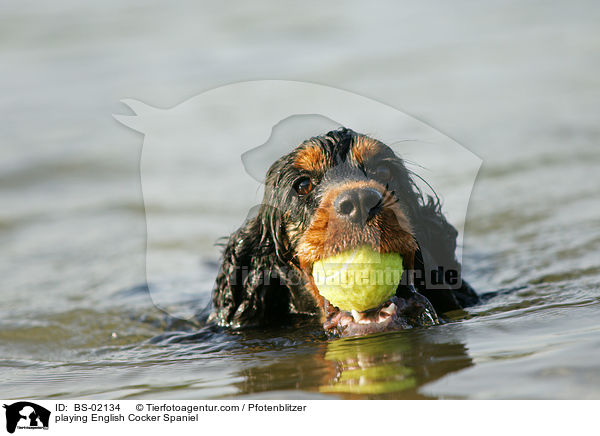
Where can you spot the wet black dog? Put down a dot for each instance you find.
(333, 193)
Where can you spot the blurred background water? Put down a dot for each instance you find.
(517, 83)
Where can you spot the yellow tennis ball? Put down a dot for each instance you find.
(358, 279)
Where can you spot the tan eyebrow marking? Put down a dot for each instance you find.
(365, 148)
(311, 158)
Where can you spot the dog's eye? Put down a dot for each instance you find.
(303, 186)
(382, 172)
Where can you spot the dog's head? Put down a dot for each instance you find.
(333, 193)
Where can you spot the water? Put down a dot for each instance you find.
(517, 83)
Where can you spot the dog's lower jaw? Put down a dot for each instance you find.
(397, 313)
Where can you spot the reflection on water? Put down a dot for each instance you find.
(390, 364)
(370, 367)
(383, 366)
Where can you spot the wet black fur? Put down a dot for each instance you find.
(259, 281)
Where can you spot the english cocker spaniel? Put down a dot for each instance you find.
(334, 193)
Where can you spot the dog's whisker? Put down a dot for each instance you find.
(437, 198)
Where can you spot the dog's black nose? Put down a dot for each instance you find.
(358, 205)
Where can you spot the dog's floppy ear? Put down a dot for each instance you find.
(442, 282)
(249, 286)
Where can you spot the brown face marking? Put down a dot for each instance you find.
(311, 158)
(364, 148)
(389, 232)
(327, 235)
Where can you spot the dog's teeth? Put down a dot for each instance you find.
(359, 317)
(390, 310)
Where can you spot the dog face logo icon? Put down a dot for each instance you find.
(26, 415)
